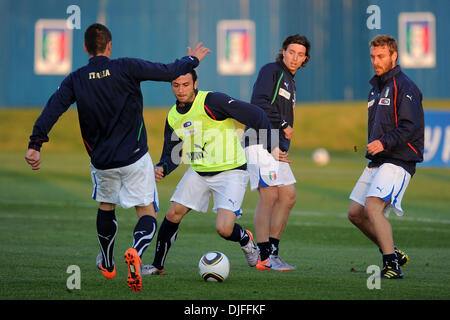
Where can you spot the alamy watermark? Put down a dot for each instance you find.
(374, 280)
(74, 280)
(74, 20)
(374, 20)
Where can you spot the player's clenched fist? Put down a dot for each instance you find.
(375, 147)
(33, 158)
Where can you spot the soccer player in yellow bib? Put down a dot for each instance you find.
(200, 125)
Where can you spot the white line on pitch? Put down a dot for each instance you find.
(94, 204)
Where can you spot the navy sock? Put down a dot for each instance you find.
(274, 244)
(167, 235)
(238, 235)
(106, 234)
(264, 250)
(143, 233)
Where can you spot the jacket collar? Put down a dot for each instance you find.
(97, 59)
(285, 69)
(379, 81)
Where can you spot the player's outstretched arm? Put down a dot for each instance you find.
(144, 70)
(33, 158)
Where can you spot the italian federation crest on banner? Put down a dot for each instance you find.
(236, 47)
(52, 47)
(417, 39)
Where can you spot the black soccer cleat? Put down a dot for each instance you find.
(402, 257)
(389, 272)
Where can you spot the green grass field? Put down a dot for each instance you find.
(47, 223)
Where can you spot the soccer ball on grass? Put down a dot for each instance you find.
(214, 266)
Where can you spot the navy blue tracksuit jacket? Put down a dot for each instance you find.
(110, 106)
(395, 117)
(274, 91)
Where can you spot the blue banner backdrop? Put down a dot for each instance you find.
(437, 138)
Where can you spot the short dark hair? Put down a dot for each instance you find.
(193, 74)
(96, 38)
(298, 39)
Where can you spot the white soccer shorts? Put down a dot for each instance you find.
(264, 170)
(129, 186)
(387, 182)
(227, 188)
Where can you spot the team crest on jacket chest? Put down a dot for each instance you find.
(384, 102)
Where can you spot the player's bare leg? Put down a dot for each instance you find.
(146, 210)
(358, 217)
(225, 220)
(176, 212)
(107, 206)
(228, 229)
(382, 228)
(281, 210)
(374, 209)
(263, 213)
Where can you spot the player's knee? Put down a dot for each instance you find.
(224, 231)
(355, 216)
(268, 198)
(290, 200)
(287, 198)
(174, 215)
(356, 213)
